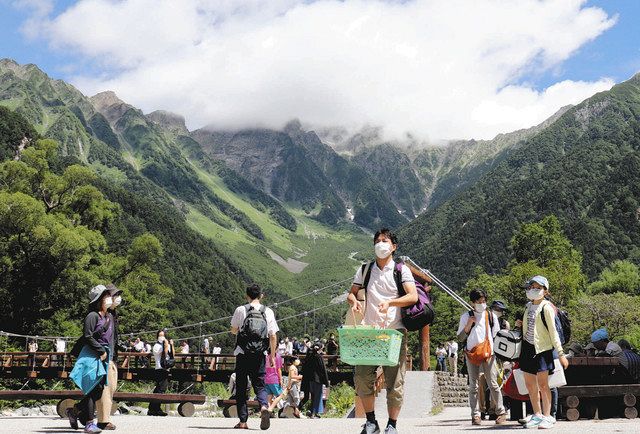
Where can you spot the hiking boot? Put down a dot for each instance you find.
(92, 428)
(370, 428)
(106, 426)
(547, 422)
(265, 418)
(534, 422)
(501, 419)
(476, 420)
(72, 415)
(524, 420)
(390, 430)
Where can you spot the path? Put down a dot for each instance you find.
(450, 420)
(418, 389)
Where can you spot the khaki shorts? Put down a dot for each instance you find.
(365, 378)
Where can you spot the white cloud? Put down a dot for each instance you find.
(438, 69)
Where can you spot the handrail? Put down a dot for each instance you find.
(430, 277)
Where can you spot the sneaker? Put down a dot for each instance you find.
(547, 422)
(524, 420)
(390, 430)
(265, 418)
(106, 426)
(72, 415)
(370, 428)
(534, 422)
(476, 420)
(92, 428)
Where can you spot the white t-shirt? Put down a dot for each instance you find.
(289, 350)
(184, 349)
(452, 349)
(241, 313)
(158, 350)
(206, 345)
(216, 350)
(61, 346)
(139, 346)
(478, 332)
(382, 287)
(529, 334)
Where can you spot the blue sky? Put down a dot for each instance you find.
(425, 108)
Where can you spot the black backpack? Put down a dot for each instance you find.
(168, 361)
(253, 337)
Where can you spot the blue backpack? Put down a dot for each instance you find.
(562, 322)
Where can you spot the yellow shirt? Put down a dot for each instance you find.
(543, 339)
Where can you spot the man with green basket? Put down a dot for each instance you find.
(383, 299)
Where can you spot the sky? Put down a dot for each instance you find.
(437, 69)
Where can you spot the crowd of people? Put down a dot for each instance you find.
(281, 378)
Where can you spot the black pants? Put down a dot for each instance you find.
(162, 384)
(87, 406)
(254, 366)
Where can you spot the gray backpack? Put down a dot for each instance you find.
(253, 337)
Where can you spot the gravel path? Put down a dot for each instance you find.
(450, 420)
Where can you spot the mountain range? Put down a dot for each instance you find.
(257, 198)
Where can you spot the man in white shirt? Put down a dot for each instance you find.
(473, 329)
(256, 329)
(381, 280)
(160, 349)
(452, 352)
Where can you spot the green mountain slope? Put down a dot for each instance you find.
(584, 168)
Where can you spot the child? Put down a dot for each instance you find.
(536, 357)
(273, 378)
(294, 387)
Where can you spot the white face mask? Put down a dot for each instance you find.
(108, 301)
(161, 339)
(498, 313)
(480, 307)
(535, 294)
(382, 249)
(117, 301)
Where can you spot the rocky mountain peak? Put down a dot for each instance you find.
(110, 105)
(168, 120)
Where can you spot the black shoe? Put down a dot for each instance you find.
(265, 419)
(73, 417)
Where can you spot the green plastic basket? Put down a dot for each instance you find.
(366, 345)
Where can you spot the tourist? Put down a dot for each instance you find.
(255, 327)
(382, 309)
(478, 328)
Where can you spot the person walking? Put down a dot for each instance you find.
(93, 351)
(452, 353)
(273, 378)
(478, 328)
(105, 402)
(332, 350)
(380, 281)
(256, 331)
(315, 371)
(540, 338)
(293, 399)
(441, 355)
(161, 353)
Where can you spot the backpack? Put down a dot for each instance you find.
(253, 337)
(168, 361)
(562, 322)
(416, 316)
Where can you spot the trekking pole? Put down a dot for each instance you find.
(411, 263)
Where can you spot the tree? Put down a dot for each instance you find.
(620, 276)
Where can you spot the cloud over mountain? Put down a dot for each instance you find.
(438, 69)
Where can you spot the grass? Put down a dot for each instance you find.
(341, 400)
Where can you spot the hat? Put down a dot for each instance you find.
(499, 304)
(599, 335)
(96, 292)
(113, 290)
(540, 280)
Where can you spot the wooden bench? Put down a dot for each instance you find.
(68, 398)
(229, 406)
(573, 396)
